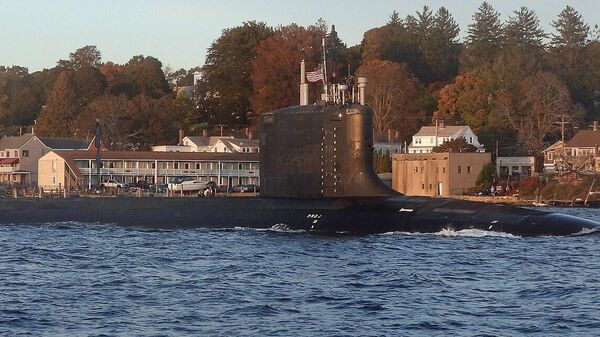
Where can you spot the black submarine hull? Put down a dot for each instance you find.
(323, 216)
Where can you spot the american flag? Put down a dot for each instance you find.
(314, 76)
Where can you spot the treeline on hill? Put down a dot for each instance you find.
(510, 81)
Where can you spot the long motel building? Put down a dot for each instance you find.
(77, 169)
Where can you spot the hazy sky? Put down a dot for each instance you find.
(37, 33)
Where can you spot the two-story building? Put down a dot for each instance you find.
(437, 174)
(19, 155)
(580, 153)
(429, 137)
(77, 169)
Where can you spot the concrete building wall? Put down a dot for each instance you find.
(436, 174)
(463, 169)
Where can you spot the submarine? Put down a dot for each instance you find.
(316, 175)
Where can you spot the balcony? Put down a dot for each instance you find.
(171, 172)
(7, 169)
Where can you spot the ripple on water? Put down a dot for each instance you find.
(104, 280)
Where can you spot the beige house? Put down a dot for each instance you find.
(436, 174)
(19, 155)
(429, 137)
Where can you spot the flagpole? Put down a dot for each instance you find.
(324, 69)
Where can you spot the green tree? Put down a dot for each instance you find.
(523, 30)
(61, 109)
(226, 85)
(88, 56)
(459, 144)
(486, 177)
(143, 75)
(484, 36)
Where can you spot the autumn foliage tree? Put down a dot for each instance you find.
(394, 94)
(541, 101)
(276, 70)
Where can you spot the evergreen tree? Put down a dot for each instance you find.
(484, 36)
(394, 19)
(572, 31)
(523, 30)
(442, 58)
(61, 108)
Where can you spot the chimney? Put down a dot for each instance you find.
(204, 133)
(441, 123)
(181, 135)
(595, 126)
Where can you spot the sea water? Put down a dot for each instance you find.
(79, 279)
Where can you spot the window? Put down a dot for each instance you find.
(1, 153)
(459, 169)
(423, 186)
(53, 180)
(470, 140)
(444, 169)
(416, 169)
(16, 153)
(176, 165)
(25, 153)
(468, 169)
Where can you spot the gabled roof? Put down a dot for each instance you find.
(557, 145)
(585, 138)
(14, 142)
(64, 143)
(454, 130)
(198, 141)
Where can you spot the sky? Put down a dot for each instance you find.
(37, 33)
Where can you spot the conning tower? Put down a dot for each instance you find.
(320, 150)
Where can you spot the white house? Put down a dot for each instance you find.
(428, 137)
(225, 144)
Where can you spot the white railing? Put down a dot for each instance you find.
(171, 172)
(6, 169)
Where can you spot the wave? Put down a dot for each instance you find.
(449, 232)
(280, 227)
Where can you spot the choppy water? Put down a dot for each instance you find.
(99, 280)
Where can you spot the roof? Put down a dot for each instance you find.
(9, 160)
(585, 138)
(64, 143)
(71, 156)
(149, 155)
(15, 142)
(198, 141)
(447, 131)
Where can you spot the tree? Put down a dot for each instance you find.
(442, 48)
(227, 85)
(484, 36)
(486, 177)
(568, 51)
(459, 144)
(117, 118)
(396, 43)
(572, 31)
(88, 56)
(61, 109)
(143, 75)
(541, 102)
(395, 96)
(89, 83)
(275, 71)
(523, 30)
(466, 101)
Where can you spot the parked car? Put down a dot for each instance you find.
(237, 189)
(162, 188)
(143, 185)
(252, 188)
(111, 183)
